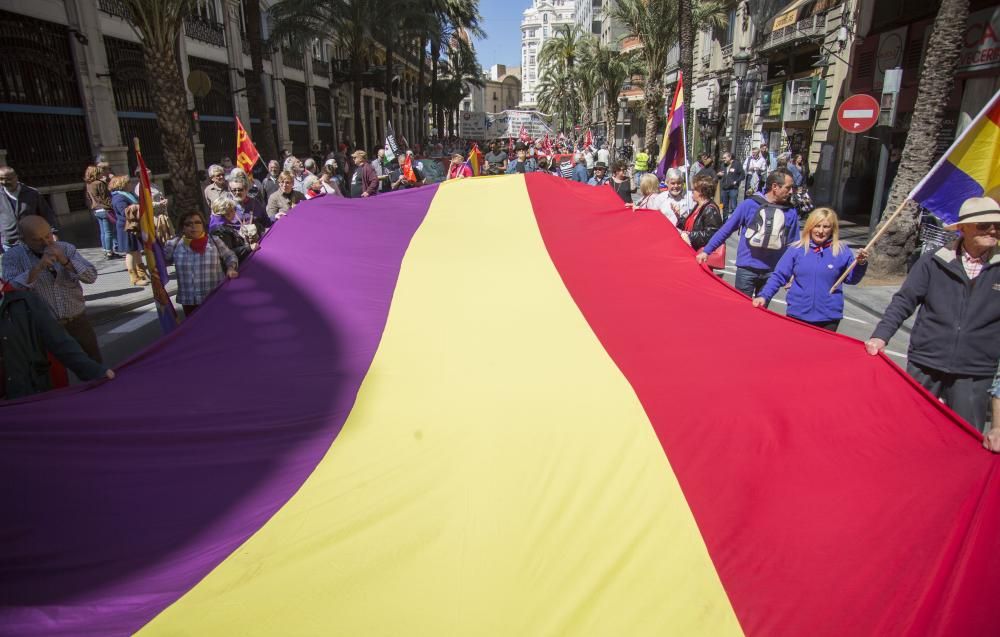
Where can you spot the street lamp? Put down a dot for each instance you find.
(741, 62)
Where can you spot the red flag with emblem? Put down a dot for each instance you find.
(588, 139)
(246, 152)
(523, 135)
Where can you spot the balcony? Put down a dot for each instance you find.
(793, 33)
(630, 44)
(321, 68)
(292, 60)
(202, 30)
(116, 8)
(727, 55)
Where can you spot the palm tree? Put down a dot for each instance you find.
(586, 82)
(158, 24)
(461, 70)
(608, 69)
(264, 137)
(933, 90)
(557, 94)
(346, 22)
(446, 20)
(654, 23)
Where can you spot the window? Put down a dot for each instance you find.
(531, 59)
(545, 18)
(494, 94)
(545, 32)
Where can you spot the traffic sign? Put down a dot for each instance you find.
(858, 113)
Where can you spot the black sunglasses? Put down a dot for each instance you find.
(985, 226)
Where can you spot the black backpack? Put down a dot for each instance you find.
(769, 228)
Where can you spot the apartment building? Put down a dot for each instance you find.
(538, 23)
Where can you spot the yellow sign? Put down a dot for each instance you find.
(785, 19)
(777, 93)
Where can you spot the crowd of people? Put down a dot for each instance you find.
(782, 243)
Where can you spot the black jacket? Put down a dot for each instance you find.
(958, 328)
(732, 176)
(233, 240)
(28, 330)
(29, 202)
(705, 224)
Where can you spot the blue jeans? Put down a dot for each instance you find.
(751, 281)
(638, 177)
(107, 230)
(730, 197)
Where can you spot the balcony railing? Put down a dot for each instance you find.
(209, 32)
(115, 8)
(727, 53)
(292, 60)
(321, 67)
(803, 29)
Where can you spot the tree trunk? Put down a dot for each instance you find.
(435, 108)
(686, 36)
(422, 94)
(611, 115)
(936, 83)
(264, 138)
(169, 95)
(654, 106)
(359, 128)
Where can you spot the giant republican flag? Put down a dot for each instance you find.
(501, 406)
(970, 168)
(673, 153)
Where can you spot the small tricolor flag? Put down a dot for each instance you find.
(246, 152)
(970, 168)
(672, 153)
(475, 160)
(152, 249)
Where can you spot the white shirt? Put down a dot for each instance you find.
(604, 155)
(671, 208)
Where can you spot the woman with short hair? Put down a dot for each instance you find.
(698, 226)
(284, 198)
(226, 225)
(620, 182)
(198, 258)
(653, 199)
(813, 264)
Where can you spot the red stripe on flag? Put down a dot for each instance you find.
(835, 496)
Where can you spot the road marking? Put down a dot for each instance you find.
(848, 318)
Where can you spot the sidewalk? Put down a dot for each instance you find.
(113, 293)
(872, 296)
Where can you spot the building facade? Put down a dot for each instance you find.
(76, 87)
(806, 59)
(538, 23)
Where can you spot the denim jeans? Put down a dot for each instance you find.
(730, 196)
(751, 281)
(638, 177)
(107, 230)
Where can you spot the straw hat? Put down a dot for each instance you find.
(977, 210)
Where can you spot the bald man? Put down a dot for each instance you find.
(54, 270)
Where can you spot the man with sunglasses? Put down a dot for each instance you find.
(955, 342)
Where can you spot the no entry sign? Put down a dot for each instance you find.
(858, 113)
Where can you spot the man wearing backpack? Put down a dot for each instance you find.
(767, 224)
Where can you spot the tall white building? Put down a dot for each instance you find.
(589, 16)
(539, 22)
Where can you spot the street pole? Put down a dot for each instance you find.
(736, 121)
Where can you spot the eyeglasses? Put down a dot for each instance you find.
(194, 222)
(985, 227)
(236, 189)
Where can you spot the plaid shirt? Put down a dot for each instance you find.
(972, 265)
(60, 287)
(198, 274)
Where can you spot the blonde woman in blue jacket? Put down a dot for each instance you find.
(813, 264)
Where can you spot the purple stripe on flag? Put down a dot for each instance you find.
(945, 190)
(117, 498)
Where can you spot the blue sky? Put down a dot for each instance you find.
(502, 23)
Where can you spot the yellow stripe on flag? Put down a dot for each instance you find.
(497, 475)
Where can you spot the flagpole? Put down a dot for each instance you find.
(868, 246)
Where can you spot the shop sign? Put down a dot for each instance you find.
(777, 94)
(785, 20)
(981, 41)
(889, 54)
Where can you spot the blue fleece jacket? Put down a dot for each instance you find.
(809, 298)
(747, 256)
(580, 174)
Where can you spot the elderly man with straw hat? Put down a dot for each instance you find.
(955, 342)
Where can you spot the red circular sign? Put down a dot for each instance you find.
(858, 113)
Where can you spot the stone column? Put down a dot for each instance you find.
(280, 105)
(234, 56)
(91, 60)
